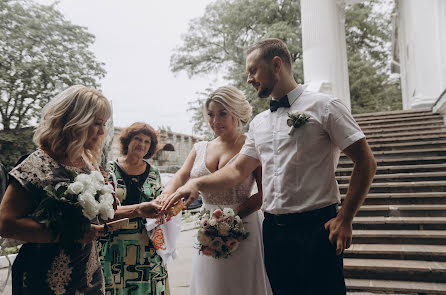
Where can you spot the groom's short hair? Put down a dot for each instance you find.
(269, 48)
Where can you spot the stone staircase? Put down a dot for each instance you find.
(399, 234)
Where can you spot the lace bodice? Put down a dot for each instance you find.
(236, 195)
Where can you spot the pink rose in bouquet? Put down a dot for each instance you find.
(220, 232)
(208, 251)
(218, 215)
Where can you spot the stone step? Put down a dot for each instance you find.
(396, 287)
(399, 223)
(405, 198)
(370, 130)
(411, 138)
(428, 237)
(409, 125)
(408, 160)
(427, 271)
(386, 121)
(426, 144)
(400, 177)
(388, 187)
(425, 111)
(416, 210)
(397, 252)
(382, 136)
(390, 170)
(404, 153)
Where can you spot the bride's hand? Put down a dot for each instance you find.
(188, 192)
(149, 209)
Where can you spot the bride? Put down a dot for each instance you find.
(243, 272)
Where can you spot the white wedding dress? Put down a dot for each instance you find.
(242, 273)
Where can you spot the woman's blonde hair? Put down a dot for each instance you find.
(234, 101)
(63, 129)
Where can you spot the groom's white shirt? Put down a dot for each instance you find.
(299, 169)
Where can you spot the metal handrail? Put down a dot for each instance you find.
(438, 99)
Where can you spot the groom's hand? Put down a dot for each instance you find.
(340, 233)
(188, 192)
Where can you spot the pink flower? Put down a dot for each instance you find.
(218, 214)
(207, 251)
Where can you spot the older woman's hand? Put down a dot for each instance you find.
(149, 210)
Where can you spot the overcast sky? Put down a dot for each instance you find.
(135, 39)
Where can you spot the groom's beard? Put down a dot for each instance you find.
(266, 91)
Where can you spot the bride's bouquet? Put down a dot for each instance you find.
(220, 232)
(67, 207)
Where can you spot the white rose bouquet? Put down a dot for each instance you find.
(220, 232)
(67, 208)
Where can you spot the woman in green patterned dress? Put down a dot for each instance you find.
(130, 263)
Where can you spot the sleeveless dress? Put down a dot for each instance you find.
(242, 273)
(49, 268)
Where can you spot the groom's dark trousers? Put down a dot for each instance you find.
(299, 258)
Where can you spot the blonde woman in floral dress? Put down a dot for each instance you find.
(242, 273)
(69, 137)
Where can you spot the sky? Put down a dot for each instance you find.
(135, 39)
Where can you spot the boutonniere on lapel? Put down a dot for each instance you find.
(295, 120)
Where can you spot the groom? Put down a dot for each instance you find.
(304, 235)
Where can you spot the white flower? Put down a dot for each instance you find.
(75, 188)
(212, 222)
(223, 229)
(106, 199)
(238, 219)
(107, 189)
(106, 211)
(96, 175)
(89, 205)
(83, 178)
(228, 212)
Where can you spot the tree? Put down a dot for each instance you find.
(217, 42)
(368, 37)
(41, 53)
(15, 143)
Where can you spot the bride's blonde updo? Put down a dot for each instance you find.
(234, 101)
(63, 129)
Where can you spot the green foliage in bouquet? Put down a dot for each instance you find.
(67, 208)
(61, 213)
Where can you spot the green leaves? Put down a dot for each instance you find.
(61, 213)
(217, 42)
(41, 53)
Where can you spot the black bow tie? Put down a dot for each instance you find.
(275, 104)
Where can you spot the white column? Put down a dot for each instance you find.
(324, 47)
(422, 44)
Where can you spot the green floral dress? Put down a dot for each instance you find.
(130, 263)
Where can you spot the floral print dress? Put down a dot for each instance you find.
(49, 268)
(130, 263)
